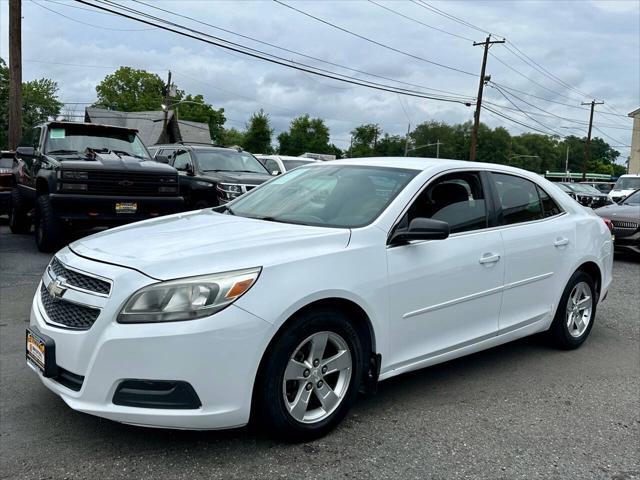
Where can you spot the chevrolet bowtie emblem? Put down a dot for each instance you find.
(56, 289)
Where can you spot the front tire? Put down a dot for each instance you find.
(311, 376)
(576, 312)
(19, 221)
(49, 235)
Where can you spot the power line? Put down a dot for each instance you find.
(620, 144)
(253, 39)
(375, 42)
(525, 58)
(421, 23)
(514, 120)
(526, 114)
(451, 17)
(91, 24)
(251, 52)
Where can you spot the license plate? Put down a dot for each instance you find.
(36, 351)
(41, 353)
(126, 207)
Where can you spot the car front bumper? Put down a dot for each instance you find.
(625, 242)
(101, 210)
(218, 356)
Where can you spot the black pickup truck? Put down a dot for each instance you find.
(80, 175)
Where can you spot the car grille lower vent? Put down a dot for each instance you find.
(130, 184)
(80, 280)
(623, 224)
(68, 314)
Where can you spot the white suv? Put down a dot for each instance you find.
(624, 186)
(331, 277)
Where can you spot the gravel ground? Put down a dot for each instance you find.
(522, 410)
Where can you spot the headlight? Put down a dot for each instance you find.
(70, 174)
(187, 298)
(231, 188)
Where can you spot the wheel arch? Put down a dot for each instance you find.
(593, 270)
(361, 322)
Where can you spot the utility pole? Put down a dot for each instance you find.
(15, 73)
(566, 163)
(476, 118)
(438, 148)
(587, 148)
(167, 92)
(406, 141)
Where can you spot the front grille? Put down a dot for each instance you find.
(66, 313)
(624, 224)
(80, 280)
(135, 184)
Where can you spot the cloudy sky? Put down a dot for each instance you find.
(591, 46)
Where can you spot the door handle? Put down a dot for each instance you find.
(489, 258)
(561, 242)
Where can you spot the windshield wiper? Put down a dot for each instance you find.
(128, 154)
(218, 170)
(62, 152)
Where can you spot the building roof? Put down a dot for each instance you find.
(634, 113)
(150, 125)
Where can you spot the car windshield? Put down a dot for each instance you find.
(586, 188)
(70, 139)
(566, 187)
(633, 199)
(627, 183)
(331, 195)
(291, 164)
(228, 161)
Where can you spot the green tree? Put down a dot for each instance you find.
(231, 137)
(305, 135)
(39, 102)
(390, 146)
(130, 90)
(257, 138)
(364, 140)
(195, 109)
(454, 139)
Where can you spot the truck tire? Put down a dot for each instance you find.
(19, 221)
(49, 235)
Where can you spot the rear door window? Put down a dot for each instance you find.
(519, 200)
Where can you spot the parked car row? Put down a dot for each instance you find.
(585, 194)
(211, 176)
(625, 222)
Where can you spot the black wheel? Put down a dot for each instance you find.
(576, 312)
(49, 236)
(311, 376)
(19, 221)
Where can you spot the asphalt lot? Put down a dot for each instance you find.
(522, 410)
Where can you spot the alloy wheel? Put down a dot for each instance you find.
(317, 377)
(579, 309)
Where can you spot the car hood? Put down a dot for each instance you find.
(111, 161)
(201, 242)
(244, 178)
(620, 212)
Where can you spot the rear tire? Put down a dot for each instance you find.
(576, 312)
(49, 235)
(19, 221)
(329, 381)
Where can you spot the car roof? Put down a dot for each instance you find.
(191, 146)
(62, 123)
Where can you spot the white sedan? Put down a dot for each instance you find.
(282, 304)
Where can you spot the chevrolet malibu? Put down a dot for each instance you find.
(281, 305)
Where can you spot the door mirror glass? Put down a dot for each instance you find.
(26, 152)
(422, 228)
(189, 169)
(162, 159)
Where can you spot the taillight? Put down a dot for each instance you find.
(608, 223)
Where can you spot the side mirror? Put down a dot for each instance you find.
(422, 228)
(26, 152)
(161, 159)
(189, 169)
(275, 173)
